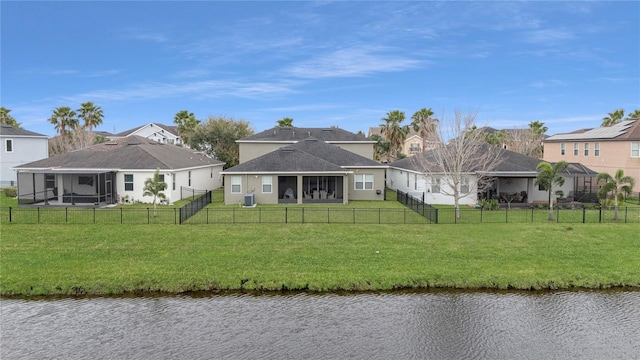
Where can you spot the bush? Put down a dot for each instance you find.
(489, 204)
(10, 191)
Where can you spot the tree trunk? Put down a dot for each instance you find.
(550, 206)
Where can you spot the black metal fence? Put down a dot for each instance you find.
(194, 206)
(418, 205)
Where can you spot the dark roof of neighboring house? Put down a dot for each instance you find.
(294, 134)
(511, 162)
(307, 155)
(169, 128)
(626, 130)
(131, 152)
(8, 130)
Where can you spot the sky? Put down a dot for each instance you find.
(321, 63)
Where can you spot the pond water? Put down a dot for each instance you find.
(431, 325)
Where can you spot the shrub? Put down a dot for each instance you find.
(10, 191)
(489, 204)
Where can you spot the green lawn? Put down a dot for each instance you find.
(106, 259)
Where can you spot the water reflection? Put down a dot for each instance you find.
(445, 325)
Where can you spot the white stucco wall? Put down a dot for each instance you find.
(417, 184)
(25, 150)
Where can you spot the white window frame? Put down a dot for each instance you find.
(267, 184)
(436, 184)
(130, 182)
(173, 181)
(363, 182)
(464, 185)
(8, 145)
(236, 184)
(189, 179)
(596, 149)
(635, 149)
(576, 149)
(586, 149)
(562, 149)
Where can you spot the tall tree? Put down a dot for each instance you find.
(548, 176)
(617, 186)
(285, 122)
(154, 187)
(186, 122)
(7, 119)
(633, 115)
(613, 118)
(217, 138)
(90, 115)
(394, 132)
(64, 119)
(463, 166)
(425, 125)
(380, 148)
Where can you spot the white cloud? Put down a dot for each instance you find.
(352, 62)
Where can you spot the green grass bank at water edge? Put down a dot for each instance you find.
(111, 260)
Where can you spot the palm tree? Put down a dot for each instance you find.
(618, 185)
(549, 175)
(154, 187)
(424, 124)
(394, 131)
(90, 114)
(634, 115)
(613, 118)
(63, 118)
(380, 148)
(538, 130)
(7, 119)
(285, 122)
(187, 123)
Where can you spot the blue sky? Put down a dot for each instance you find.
(322, 63)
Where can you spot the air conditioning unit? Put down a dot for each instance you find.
(249, 200)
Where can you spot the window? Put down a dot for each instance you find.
(464, 185)
(236, 184)
(161, 177)
(414, 147)
(562, 149)
(435, 185)
(128, 182)
(50, 180)
(408, 182)
(586, 149)
(8, 145)
(364, 181)
(576, 148)
(173, 182)
(189, 179)
(85, 180)
(635, 149)
(415, 181)
(267, 182)
(596, 149)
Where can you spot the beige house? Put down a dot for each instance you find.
(604, 149)
(277, 166)
(413, 143)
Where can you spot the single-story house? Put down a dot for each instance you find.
(513, 181)
(307, 171)
(115, 171)
(19, 146)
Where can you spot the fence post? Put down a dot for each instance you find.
(354, 215)
(584, 214)
(379, 210)
(66, 214)
(38, 215)
(328, 221)
(437, 211)
(233, 215)
(600, 215)
(303, 214)
(94, 215)
(626, 210)
(148, 217)
(120, 216)
(405, 215)
(481, 214)
(506, 215)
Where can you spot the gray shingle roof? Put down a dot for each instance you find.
(307, 155)
(511, 163)
(286, 159)
(7, 130)
(294, 134)
(132, 152)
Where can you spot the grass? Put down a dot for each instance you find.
(110, 260)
